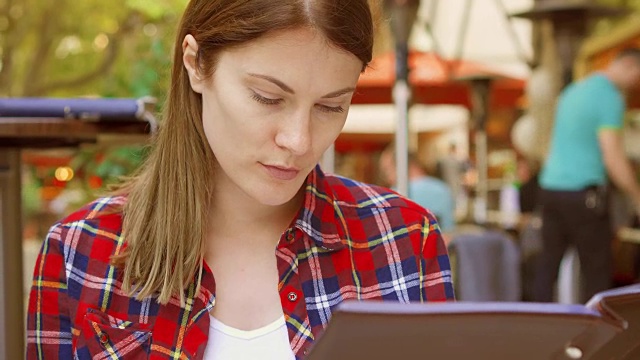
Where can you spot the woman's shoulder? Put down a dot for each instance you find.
(97, 224)
(359, 195)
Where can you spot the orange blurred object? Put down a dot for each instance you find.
(433, 80)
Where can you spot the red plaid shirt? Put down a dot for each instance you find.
(350, 241)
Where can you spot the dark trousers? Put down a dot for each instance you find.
(567, 220)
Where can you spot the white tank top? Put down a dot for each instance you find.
(270, 342)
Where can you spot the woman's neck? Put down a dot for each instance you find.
(234, 213)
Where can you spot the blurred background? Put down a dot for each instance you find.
(122, 48)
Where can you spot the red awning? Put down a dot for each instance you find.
(433, 80)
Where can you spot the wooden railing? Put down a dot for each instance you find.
(48, 123)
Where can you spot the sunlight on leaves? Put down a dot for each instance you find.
(156, 9)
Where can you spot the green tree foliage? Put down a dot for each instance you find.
(86, 48)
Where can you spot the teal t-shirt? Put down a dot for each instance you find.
(575, 158)
(435, 195)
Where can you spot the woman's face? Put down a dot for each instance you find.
(272, 108)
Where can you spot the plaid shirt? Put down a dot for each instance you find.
(349, 241)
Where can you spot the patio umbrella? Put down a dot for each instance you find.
(433, 80)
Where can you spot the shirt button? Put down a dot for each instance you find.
(104, 338)
(290, 236)
(292, 296)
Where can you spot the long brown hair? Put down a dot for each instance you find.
(166, 212)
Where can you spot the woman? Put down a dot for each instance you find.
(231, 191)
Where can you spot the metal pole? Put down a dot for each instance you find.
(12, 313)
(403, 15)
(401, 94)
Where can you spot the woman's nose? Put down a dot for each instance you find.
(295, 133)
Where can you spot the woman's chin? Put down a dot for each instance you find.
(280, 196)
(276, 199)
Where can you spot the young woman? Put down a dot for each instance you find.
(230, 242)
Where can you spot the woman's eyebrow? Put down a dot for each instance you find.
(289, 90)
(275, 81)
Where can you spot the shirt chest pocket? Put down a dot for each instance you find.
(103, 336)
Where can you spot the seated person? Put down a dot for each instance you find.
(230, 230)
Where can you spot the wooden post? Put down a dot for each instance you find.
(12, 313)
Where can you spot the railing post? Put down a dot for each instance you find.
(12, 320)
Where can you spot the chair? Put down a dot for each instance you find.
(486, 266)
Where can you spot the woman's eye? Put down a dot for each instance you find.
(331, 109)
(265, 100)
(269, 101)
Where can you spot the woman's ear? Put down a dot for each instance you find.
(189, 59)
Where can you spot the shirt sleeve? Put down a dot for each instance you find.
(611, 111)
(48, 320)
(435, 276)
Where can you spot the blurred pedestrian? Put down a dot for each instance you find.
(230, 242)
(426, 190)
(586, 146)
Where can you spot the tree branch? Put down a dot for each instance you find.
(8, 41)
(132, 22)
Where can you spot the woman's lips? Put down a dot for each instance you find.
(281, 173)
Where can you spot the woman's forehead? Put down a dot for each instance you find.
(292, 54)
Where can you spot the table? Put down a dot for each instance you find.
(42, 131)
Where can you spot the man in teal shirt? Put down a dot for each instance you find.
(428, 191)
(586, 150)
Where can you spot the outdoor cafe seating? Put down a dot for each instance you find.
(47, 123)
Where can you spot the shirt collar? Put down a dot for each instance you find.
(321, 217)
